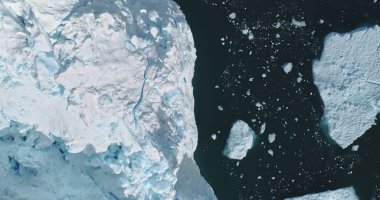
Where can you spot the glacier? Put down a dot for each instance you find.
(240, 140)
(348, 78)
(339, 194)
(96, 101)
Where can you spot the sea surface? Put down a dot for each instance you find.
(239, 76)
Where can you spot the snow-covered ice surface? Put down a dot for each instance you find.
(348, 78)
(240, 140)
(340, 194)
(96, 101)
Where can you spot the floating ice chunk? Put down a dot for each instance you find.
(346, 77)
(297, 23)
(250, 36)
(287, 67)
(270, 151)
(278, 25)
(213, 136)
(262, 128)
(240, 140)
(271, 137)
(232, 15)
(340, 194)
(220, 108)
(355, 148)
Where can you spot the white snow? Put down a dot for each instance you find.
(340, 194)
(96, 100)
(240, 140)
(347, 75)
(287, 67)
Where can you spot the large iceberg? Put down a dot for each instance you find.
(96, 101)
(348, 78)
(339, 194)
(240, 141)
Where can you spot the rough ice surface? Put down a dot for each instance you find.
(348, 78)
(340, 194)
(96, 101)
(240, 140)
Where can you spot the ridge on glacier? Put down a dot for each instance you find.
(99, 92)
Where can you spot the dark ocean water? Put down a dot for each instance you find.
(305, 159)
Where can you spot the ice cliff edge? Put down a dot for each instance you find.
(96, 101)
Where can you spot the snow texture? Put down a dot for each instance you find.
(340, 194)
(240, 140)
(96, 101)
(348, 78)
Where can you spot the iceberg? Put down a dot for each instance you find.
(347, 76)
(340, 194)
(96, 101)
(240, 140)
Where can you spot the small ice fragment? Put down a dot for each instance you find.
(220, 108)
(250, 36)
(297, 23)
(270, 151)
(245, 31)
(263, 75)
(232, 15)
(262, 129)
(278, 25)
(213, 136)
(355, 148)
(272, 137)
(287, 67)
(299, 79)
